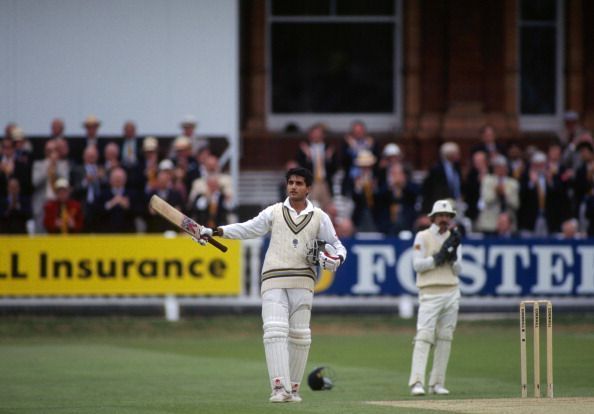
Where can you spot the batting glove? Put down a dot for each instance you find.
(328, 259)
(205, 234)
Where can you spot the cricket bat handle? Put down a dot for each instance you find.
(177, 218)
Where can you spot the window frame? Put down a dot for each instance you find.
(543, 123)
(388, 121)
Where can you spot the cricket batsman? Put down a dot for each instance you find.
(301, 238)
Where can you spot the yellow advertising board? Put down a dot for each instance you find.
(117, 265)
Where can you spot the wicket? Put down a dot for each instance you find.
(536, 343)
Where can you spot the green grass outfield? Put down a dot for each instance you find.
(216, 364)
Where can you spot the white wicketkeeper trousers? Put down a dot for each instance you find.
(436, 322)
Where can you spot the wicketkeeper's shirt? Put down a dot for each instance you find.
(431, 278)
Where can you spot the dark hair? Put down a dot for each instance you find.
(301, 172)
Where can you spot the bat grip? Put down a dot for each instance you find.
(217, 244)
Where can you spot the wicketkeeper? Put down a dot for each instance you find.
(435, 259)
(289, 272)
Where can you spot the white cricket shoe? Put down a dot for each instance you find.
(417, 389)
(279, 395)
(295, 397)
(438, 389)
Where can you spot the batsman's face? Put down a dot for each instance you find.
(297, 189)
(442, 220)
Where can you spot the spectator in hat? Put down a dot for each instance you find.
(63, 215)
(23, 150)
(355, 141)
(149, 164)
(15, 209)
(391, 154)
(188, 126)
(91, 126)
(320, 158)
(364, 191)
(185, 164)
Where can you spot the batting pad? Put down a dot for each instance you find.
(299, 342)
(276, 332)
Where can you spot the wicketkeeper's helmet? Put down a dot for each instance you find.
(321, 379)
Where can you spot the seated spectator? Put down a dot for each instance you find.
(505, 228)
(165, 190)
(588, 213)
(130, 148)
(471, 187)
(15, 209)
(44, 175)
(12, 167)
(77, 145)
(544, 200)
(148, 167)
(211, 207)
(356, 140)
(321, 159)
(23, 150)
(516, 162)
(364, 191)
(212, 168)
(444, 179)
(500, 193)
(570, 230)
(396, 202)
(188, 126)
(584, 175)
(489, 144)
(118, 205)
(391, 154)
(63, 215)
(185, 164)
(88, 182)
(111, 157)
(571, 128)
(177, 179)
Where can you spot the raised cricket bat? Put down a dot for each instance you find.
(179, 219)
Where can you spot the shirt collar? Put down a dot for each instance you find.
(309, 207)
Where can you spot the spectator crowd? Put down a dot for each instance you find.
(98, 185)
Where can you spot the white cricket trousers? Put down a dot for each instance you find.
(436, 322)
(286, 314)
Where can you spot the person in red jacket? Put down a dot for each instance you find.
(63, 215)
